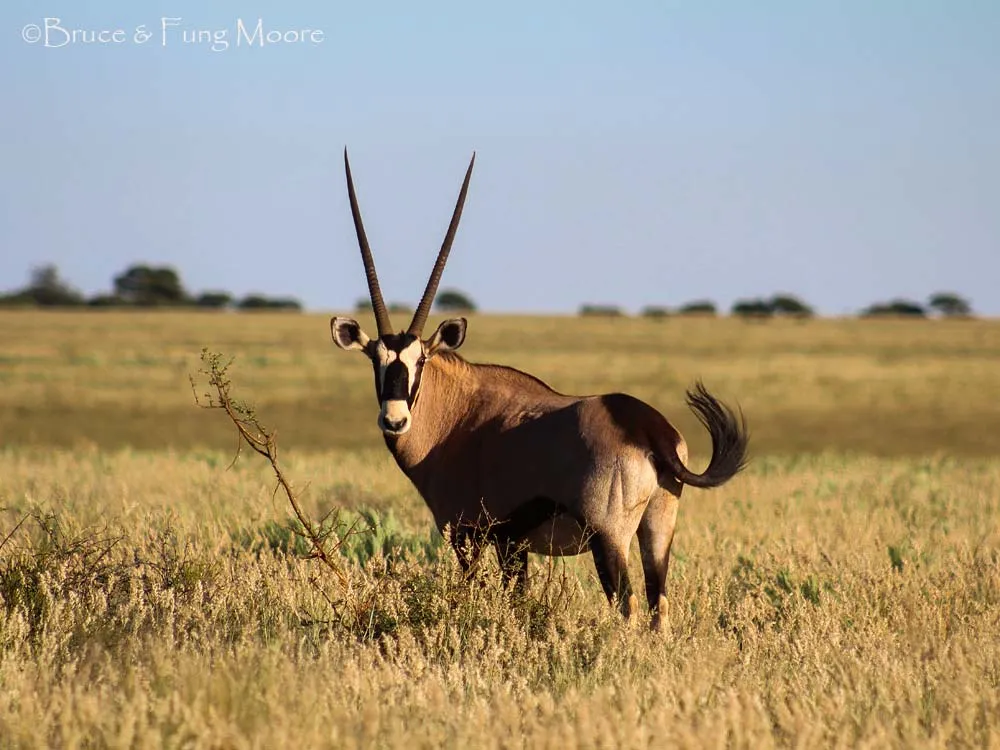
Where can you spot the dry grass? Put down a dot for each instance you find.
(815, 601)
(149, 598)
(893, 387)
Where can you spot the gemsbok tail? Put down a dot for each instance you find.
(729, 441)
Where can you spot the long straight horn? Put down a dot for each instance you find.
(420, 316)
(381, 314)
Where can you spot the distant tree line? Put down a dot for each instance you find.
(941, 304)
(138, 286)
(144, 286)
(945, 304)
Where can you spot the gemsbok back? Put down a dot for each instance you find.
(500, 458)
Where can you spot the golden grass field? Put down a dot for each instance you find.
(843, 591)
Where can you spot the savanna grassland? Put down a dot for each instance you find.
(843, 591)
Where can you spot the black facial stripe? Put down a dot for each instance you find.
(412, 400)
(378, 383)
(396, 383)
(396, 342)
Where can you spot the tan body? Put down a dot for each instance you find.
(502, 459)
(487, 439)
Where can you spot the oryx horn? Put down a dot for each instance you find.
(381, 313)
(420, 316)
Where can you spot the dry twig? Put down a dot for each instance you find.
(264, 442)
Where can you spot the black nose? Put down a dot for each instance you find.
(395, 426)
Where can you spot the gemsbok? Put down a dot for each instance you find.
(500, 458)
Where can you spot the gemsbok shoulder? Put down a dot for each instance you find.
(501, 458)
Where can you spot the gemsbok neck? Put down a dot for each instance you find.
(448, 390)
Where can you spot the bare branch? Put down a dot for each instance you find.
(251, 432)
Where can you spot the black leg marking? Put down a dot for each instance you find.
(654, 587)
(513, 559)
(507, 535)
(612, 570)
(467, 542)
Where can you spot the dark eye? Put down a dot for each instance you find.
(420, 362)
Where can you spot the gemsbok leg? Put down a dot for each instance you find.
(656, 535)
(611, 561)
(508, 536)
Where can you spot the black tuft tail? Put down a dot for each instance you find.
(729, 441)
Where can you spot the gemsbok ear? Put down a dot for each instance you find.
(448, 337)
(347, 334)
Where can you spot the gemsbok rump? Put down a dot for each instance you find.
(500, 458)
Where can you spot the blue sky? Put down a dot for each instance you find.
(650, 153)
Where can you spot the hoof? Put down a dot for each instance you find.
(661, 620)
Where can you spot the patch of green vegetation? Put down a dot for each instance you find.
(361, 536)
